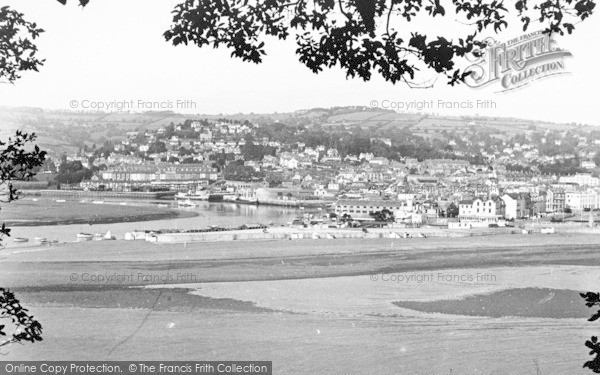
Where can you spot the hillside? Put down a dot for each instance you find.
(68, 130)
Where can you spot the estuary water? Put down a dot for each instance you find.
(222, 214)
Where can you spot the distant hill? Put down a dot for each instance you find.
(373, 119)
(68, 130)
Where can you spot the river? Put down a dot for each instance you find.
(222, 214)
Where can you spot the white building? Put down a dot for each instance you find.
(579, 200)
(362, 209)
(581, 179)
(490, 210)
(588, 164)
(288, 161)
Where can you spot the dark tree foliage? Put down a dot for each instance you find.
(157, 147)
(257, 152)
(359, 36)
(383, 215)
(17, 51)
(237, 171)
(81, 2)
(363, 36)
(355, 142)
(518, 168)
(73, 172)
(26, 328)
(452, 210)
(593, 299)
(345, 218)
(16, 163)
(562, 167)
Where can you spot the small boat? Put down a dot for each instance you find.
(152, 238)
(123, 203)
(230, 197)
(248, 200)
(84, 236)
(98, 202)
(109, 236)
(40, 239)
(20, 239)
(138, 234)
(60, 201)
(35, 199)
(186, 203)
(199, 195)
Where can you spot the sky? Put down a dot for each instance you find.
(114, 51)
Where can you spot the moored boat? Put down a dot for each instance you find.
(230, 197)
(215, 197)
(248, 200)
(20, 239)
(84, 236)
(186, 203)
(108, 236)
(199, 195)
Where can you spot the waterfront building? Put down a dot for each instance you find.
(581, 179)
(481, 209)
(362, 209)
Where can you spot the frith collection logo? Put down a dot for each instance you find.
(518, 62)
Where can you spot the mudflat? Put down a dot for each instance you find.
(143, 263)
(352, 306)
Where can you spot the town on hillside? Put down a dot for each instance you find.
(487, 172)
